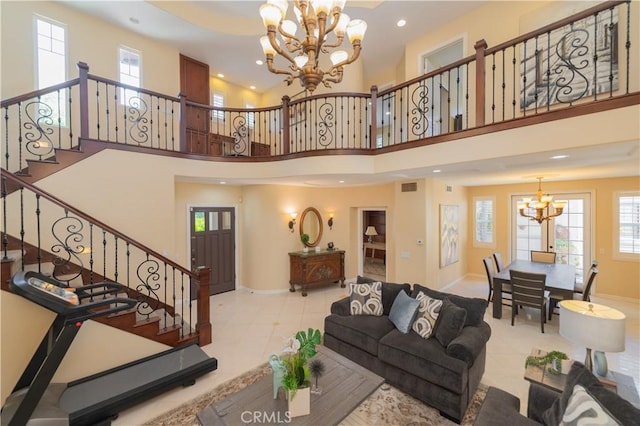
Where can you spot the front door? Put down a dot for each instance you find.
(213, 245)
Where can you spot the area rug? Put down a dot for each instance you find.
(386, 406)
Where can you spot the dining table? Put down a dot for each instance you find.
(560, 279)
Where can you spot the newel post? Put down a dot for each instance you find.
(83, 74)
(374, 117)
(204, 325)
(183, 121)
(480, 46)
(286, 137)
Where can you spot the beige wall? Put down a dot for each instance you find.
(616, 278)
(86, 43)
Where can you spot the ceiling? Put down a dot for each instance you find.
(225, 35)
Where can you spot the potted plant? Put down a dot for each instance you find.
(305, 239)
(296, 353)
(553, 358)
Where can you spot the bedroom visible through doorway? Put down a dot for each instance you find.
(374, 238)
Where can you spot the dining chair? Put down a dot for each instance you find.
(580, 289)
(543, 256)
(585, 293)
(506, 288)
(528, 289)
(497, 257)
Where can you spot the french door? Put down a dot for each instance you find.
(569, 235)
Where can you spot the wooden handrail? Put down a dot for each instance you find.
(36, 93)
(132, 88)
(10, 176)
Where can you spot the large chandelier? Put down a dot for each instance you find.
(535, 209)
(317, 18)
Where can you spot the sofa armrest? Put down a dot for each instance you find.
(540, 399)
(500, 408)
(341, 307)
(469, 343)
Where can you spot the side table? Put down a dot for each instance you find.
(616, 382)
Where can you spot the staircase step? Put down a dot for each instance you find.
(148, 328)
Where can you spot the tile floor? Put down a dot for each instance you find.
(248, 327)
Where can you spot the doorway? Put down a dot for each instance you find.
(212, 236)
(374, 244)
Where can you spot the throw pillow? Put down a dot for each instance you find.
(450, 322)
(428, 312)
(475, 307)
(366, 299)
(616, 406)
(403, 312)
(584, 409)
(389, 292)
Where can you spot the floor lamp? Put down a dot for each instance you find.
(596, 327)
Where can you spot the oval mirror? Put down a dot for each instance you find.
(311, 224)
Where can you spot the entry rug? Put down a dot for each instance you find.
(385, 406)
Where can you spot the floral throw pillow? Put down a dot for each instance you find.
(428, 312)
(366, 299)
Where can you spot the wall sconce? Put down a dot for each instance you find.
(292, 221)
(330, 221)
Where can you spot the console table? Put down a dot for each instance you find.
(315, 268)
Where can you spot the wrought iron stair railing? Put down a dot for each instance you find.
(84, 250)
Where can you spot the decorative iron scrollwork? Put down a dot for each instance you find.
(572, 51)
(68, 232)
(137, 117)
(149, 277)
(420, 110)
(325, 118)
(240, 134)
(39, 114)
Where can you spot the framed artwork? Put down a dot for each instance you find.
(571, 62)
(449, 235)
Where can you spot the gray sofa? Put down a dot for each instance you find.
(444, 377)
(548, 407)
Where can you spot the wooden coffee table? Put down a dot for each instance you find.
(344, 385)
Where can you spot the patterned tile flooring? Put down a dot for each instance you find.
(248, 327)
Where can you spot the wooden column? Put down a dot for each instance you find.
(83, 71)
(480, 46)
(286, 137)
(373, 131)
(183, 122)
(204, 324)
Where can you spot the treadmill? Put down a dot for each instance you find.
(99, 398)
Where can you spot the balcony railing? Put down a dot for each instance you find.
(587, 58)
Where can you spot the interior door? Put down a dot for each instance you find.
(569, 235)
(194, 84)
(213, 245)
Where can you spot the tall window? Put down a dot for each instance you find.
(217, 101)
(129, 68)
(484, 235)
(52, 69)
(628, 218)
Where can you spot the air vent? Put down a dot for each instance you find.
(410, 187)
(449, 188)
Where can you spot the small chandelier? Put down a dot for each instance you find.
(540, 205)
(318, 18)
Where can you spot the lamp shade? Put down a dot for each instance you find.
(371, 230)
(593, 326)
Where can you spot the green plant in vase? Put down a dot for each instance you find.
(305, 239)
(553, 358)
(297, 351)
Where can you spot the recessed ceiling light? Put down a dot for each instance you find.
(252, 87)
(401, 23)
(559, 157)
(222, 182)
(259, 62)
(134, 20)
(340, 181)
(220, 75)
(437, 171)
